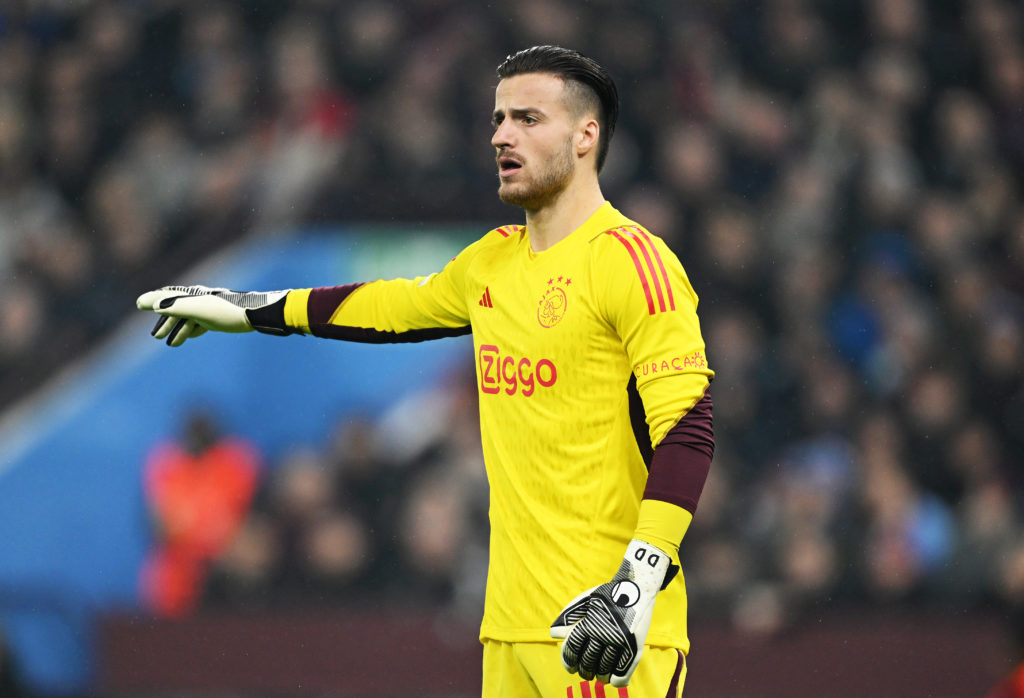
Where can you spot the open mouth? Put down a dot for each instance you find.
(508, 165)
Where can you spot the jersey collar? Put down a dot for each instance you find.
(604, 218)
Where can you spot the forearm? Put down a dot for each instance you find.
(382, 312)
(677, 476)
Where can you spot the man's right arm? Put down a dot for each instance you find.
(396, 310)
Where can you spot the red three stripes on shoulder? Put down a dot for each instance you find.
(508, 230)
(649, 267)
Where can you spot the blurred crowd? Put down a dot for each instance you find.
(391, 510)
(842, 181)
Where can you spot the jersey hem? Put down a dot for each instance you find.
(533, 635)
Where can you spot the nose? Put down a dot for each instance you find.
(502, 135)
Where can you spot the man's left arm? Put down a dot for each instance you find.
(656, 318)
(605, 628)
(679, 469)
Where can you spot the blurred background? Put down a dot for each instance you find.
(248, 516)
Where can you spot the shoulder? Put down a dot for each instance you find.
(647, 274)
(494, 242)
(632, 246)
(504, 234)
(501, 237)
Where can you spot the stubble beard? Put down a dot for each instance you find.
(549, 185)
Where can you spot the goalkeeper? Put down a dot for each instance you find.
(564, 311)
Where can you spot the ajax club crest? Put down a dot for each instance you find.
(553, 304)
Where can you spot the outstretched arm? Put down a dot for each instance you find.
(383, 312)
(397, 310)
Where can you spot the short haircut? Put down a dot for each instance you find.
(591, 87)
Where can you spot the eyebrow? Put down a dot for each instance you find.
(516, 113)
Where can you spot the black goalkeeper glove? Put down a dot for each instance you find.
(189, 311)
(605, 628)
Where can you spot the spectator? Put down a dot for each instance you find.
(246, 573)
(198, 492)
(327, 549)
(909, 534)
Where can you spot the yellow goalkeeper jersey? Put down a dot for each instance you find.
(556, 336)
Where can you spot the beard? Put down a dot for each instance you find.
(548, 184)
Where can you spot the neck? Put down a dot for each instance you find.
(571, 209)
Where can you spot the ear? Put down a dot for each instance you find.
(588, 131)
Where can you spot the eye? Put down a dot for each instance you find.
(529, 120)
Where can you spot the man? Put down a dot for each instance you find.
(198, 492)
(562, 310)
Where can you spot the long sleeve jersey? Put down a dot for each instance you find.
(557, 335)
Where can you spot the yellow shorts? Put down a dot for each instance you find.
(534, 670)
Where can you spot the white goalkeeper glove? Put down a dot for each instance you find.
(605, 628)
(189, 311)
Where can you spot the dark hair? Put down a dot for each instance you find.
(593, 83)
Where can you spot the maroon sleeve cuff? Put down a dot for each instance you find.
(323, 303)
(682, 460)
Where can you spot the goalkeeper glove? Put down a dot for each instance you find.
(604, 628)
(189, 311)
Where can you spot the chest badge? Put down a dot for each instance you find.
(554, 302)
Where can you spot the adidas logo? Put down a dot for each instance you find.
(485, 300)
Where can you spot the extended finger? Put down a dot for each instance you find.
(182, 330)
(162, 327)
(150, 300)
